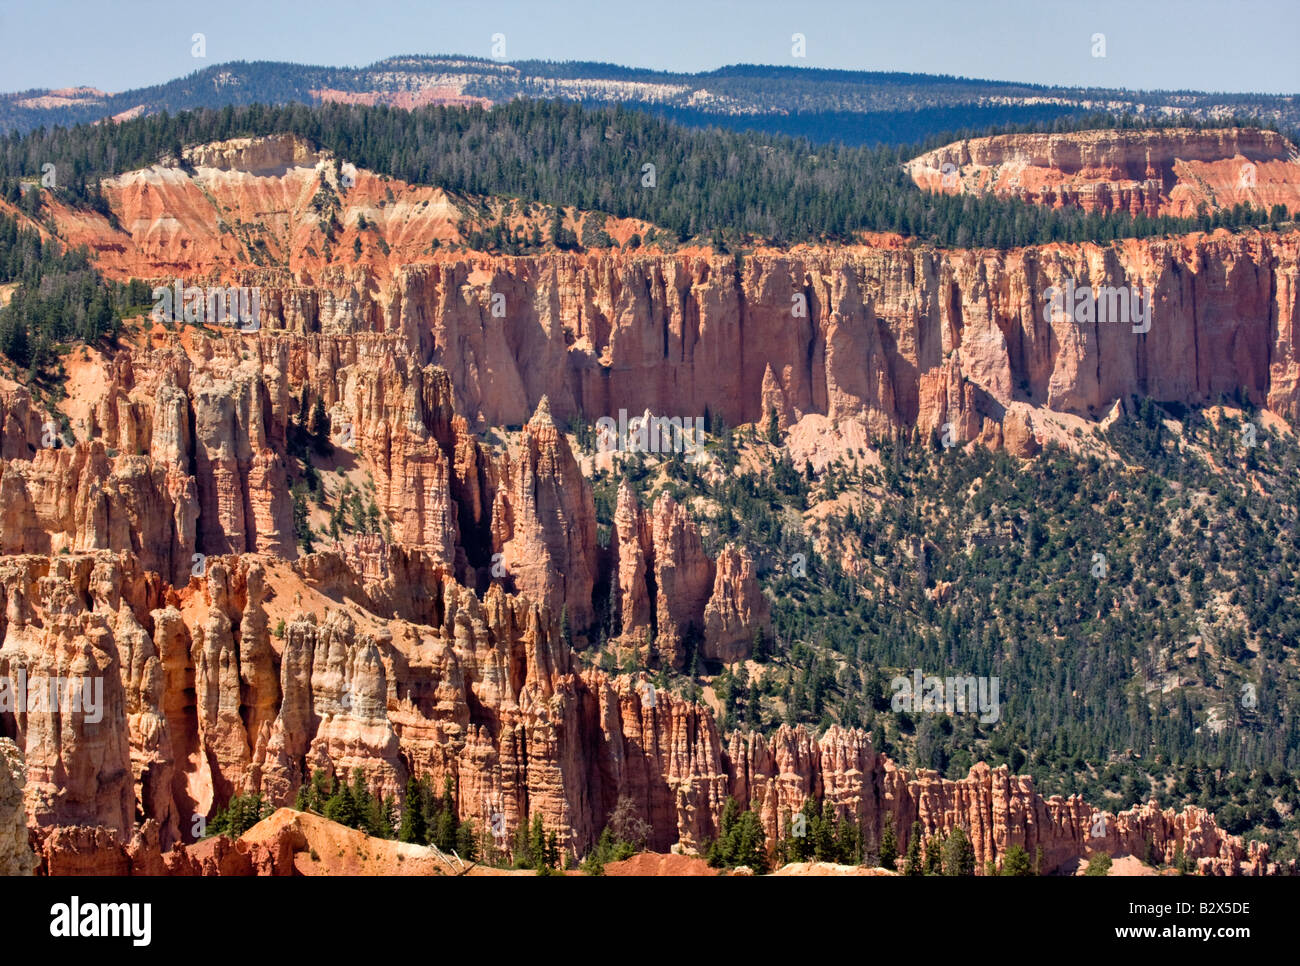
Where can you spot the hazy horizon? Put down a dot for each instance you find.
(1199, 45)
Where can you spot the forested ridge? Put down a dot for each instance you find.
(58, 298)
(725, 188)
(1123, 687)
(1140, 609)
(729, 187)
(849, 106)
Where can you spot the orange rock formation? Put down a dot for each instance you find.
(156, 553)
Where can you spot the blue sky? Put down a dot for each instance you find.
(1246, 45)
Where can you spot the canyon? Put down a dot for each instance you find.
(885, 334)
(204, 700)
(154, 546)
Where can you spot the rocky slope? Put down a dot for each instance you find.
(15, 853)
(884, 336)
(202, 700)
(154, 551)
(1158, 172)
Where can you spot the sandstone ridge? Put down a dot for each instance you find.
(1169, 171)
(202, 700)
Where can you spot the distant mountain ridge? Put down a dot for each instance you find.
(823, 104)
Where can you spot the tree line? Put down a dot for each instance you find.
(735, 187)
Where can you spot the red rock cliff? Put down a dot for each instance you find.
(485, 690)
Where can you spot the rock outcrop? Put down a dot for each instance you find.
(736, 610)
(996, 809)
(544, 521)
(669, 590)
(150, 553)
(889, 329)
(1171, 171)
(484, 691)
(683, 576)
(60, 652)
(15, 852)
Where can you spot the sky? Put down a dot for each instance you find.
(1235, 46)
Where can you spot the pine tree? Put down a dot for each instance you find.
(341, 808)
(741, 840)
(1016, 862)
(319, 425)
(241, 813)
(889, 846)
(1099, 864)
(444, 830)
(445, 827)
(912, 865)
(466, 844)
(801, 848)
(521, 850)
(750, 847)
(934, 855)
(411, 828)
(958, 854)
(537, 842)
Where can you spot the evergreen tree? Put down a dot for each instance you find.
(934, 855)
(537, 842)
(521, 852)
(741, 840)
(958, 854)
(342, 807)
(319, 424)
(1099, 864)
(241, 813)
(912, 865)
(889, 846)
(466, 843)
(1016, 862)
(446, 827)
(411, 828)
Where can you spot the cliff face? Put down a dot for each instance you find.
(1156, 172)
(545, 521)
(200, 698)
(667, 589)
(153, 551)
(891, 338)
(888, 335)
(15, 853)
